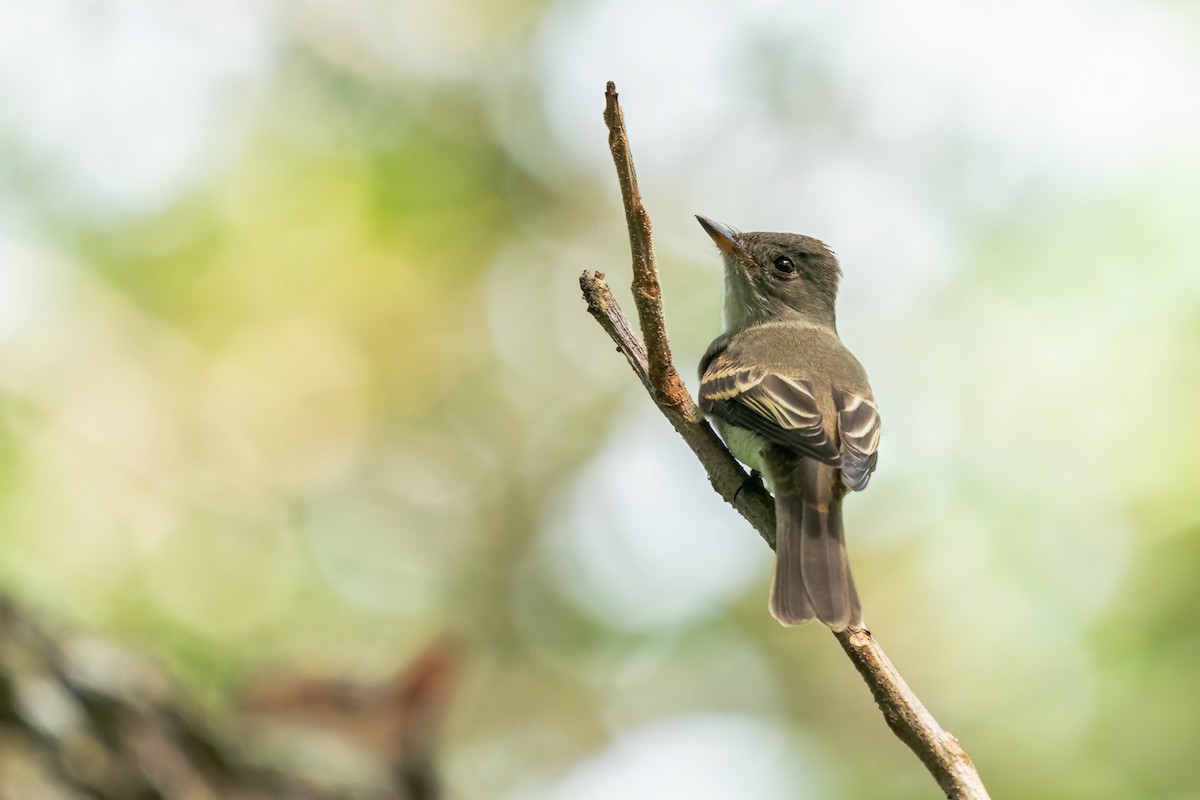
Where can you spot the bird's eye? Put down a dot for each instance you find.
(784, 264)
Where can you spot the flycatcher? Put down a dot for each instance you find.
(792, 403)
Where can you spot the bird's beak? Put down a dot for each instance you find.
(722, 234)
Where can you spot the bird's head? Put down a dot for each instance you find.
(775, 276)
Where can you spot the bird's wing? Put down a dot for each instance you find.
(776, 407)
(859, 427)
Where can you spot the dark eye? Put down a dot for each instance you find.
(784, 264)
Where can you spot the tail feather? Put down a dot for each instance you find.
(812, 572)
(789, 600)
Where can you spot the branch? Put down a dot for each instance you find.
(937, 749)
(725, 474)
(647, 295)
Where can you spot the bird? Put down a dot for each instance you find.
(793, 404)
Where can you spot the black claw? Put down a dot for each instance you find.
(755, 477)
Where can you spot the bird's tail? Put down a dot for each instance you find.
(812, 573)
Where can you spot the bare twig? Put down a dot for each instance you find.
(647, 295)
(938, 750)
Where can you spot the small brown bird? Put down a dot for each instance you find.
(791, 402)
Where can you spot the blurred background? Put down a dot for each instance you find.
(294, 372)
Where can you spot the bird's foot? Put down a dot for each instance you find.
(753, 479)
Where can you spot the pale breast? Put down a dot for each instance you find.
(747, 447)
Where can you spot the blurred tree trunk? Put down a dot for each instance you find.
(82, 718)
